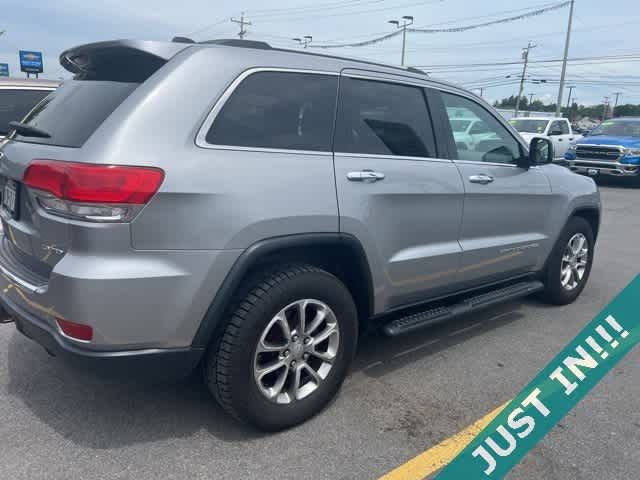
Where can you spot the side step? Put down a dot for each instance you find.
(464, 305)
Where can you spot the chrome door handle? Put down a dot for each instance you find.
(481, 179)
(365, 176)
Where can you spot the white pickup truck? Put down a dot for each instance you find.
(558, 130)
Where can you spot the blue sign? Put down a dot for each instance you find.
(4, 69)
(31, 62)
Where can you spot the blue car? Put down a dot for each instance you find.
(612, 148)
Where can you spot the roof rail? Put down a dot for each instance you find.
(417, 70)
(235, 42)
(182, 40)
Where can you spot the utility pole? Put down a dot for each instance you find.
(406, 21)
(617, 94)
(564, 61)
(605, 108)
(242, 22)
(304, 41)
(571, 87)
(525, 57)
(531, 95)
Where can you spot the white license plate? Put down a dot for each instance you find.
(10, 196)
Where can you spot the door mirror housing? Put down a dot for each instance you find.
(540, 151)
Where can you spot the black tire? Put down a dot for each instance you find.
(230, 362)
(554, 292)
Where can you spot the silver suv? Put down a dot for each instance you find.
(249, 210)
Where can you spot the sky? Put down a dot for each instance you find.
(601, 29)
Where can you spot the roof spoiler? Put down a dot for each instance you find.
(118, 60)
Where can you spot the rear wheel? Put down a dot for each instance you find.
(286, 348)
(569, 265)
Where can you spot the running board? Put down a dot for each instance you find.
(468, 304)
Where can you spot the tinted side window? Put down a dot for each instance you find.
(75, 110)
(15, 104)
(278, 110)
(494, 145)
(383, 119)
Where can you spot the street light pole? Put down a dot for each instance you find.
(407, 20)
(564, 61)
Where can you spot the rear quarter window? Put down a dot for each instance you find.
(75, 110)
(16, 103)
(281, 110)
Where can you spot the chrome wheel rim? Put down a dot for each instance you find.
(296, 351)
(574, 262)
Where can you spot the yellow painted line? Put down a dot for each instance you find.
(440, 455)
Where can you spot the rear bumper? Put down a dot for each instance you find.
(154, 364)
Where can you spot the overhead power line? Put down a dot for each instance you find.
(465, 28)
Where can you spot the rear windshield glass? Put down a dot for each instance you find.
(74, 111)
(15, 104)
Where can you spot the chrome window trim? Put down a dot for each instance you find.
(25, 87)
(388, 78)
(493, 164)
(391, 157)
(201, 140)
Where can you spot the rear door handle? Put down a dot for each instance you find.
(481, 179)
(365, 176)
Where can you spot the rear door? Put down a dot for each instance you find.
(505, 206)
(396, 193)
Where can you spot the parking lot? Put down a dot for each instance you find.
(402, 397)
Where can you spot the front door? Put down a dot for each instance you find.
(504, 224)
(395, 194)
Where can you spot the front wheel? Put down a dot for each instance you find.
(286, 349)
(569, 264)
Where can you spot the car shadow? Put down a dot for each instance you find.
(102, 414)
(617, 182)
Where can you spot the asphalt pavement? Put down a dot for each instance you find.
(402, 397)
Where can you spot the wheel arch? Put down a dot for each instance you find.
(591, 215)
(340, 254)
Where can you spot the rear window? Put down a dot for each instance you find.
(280, 110)
(15, 104)
(75, 110)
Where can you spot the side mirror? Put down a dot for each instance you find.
(540, 151)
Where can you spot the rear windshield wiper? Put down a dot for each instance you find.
(28, 131)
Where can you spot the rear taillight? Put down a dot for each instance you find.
(99, 193)
(77, 331)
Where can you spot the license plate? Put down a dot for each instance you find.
(10, 197)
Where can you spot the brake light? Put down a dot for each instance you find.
(92, 192)
(77, 331)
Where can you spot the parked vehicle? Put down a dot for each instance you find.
(612, 148)
(18, 96)
(255, 227)
(468, 132)
(558, 130)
